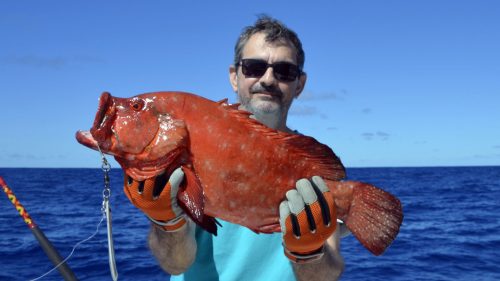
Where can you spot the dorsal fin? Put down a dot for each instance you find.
(308, 148)
(322, 155)
(224, 103)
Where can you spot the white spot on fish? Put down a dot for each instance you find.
(166, 121)
(208, 165)
(262, 172)
(240, 168)
(242, 187)
(232, 205)
(222, 145)
(166, 124)
(148, 101)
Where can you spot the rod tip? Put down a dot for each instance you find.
(2, 182)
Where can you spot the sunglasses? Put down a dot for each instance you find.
(283, 71)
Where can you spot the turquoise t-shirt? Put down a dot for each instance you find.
(238, 254)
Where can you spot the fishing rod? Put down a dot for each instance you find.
(44, 242)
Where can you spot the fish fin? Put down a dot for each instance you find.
(323, 159)
(373, 216)
(222, 101)
(191, 200)
(233, 106)
(268, 229)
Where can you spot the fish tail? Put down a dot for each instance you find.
(191, 200)
(372, 215)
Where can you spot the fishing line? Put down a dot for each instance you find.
(106, 214)
(73, 250)
(106, 210)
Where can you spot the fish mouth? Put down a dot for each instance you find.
(85, 138)
(100, 133)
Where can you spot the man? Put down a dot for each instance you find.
(267, 75)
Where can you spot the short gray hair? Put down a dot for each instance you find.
(275, 31)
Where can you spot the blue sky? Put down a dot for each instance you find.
(390, 83)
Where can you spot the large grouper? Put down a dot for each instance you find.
(236, 169)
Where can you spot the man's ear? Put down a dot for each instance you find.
(300, 84)
(233, 77)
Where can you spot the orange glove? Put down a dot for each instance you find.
(307, 219)
(157, 198)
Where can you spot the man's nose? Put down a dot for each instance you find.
(268, 78)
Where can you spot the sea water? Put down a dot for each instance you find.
(451, 228)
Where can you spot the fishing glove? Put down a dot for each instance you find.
(307, 219)
(157, 198)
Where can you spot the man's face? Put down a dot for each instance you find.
(266, 96)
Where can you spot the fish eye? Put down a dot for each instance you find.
(137, 104)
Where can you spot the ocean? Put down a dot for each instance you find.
(451, 228)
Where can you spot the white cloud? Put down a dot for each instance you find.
(311, 96)
(303, 110)
(376, 135)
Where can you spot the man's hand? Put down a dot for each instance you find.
(307, 219)
(162, 209)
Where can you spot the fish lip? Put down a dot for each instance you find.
(86, 138)
(101, 129)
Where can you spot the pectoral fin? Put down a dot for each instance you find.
(191, 200)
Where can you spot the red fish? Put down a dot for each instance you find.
(236, 168)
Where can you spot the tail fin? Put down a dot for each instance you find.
(192, 202)
(374, 216)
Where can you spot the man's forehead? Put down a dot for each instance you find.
(257, 43)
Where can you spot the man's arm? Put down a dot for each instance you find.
(329, 267)
(171, 238)
(174, 251)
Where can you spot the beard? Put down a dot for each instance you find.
(266, 109)
(264, 100)
(265, 105)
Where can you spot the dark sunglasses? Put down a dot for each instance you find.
(283, 71)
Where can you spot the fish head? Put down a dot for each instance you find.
(142, 139)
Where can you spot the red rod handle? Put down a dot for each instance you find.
(47, 247)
